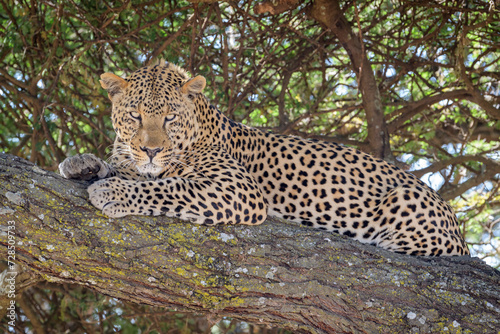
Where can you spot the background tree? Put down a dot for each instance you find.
(416, 83)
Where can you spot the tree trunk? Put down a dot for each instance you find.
(329, 14)
(278, 273)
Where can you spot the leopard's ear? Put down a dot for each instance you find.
(194, 86)
(113, 84)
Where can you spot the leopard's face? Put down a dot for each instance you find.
(154, 116)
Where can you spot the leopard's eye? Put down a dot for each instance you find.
(170, 118)
(135, 115)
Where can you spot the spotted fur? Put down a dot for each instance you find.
(175, 154)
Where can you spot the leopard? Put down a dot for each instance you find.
(176, 154)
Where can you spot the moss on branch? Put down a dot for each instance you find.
(277, 273)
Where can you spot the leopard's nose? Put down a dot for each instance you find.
(151, 151)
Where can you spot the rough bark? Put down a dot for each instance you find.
(278, 273)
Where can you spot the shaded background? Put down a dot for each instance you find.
(272, 66)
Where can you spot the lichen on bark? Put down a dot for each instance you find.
(278, 273)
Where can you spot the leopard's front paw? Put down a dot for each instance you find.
(84, 167)
(109, 196)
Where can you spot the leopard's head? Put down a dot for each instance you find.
(154, 114)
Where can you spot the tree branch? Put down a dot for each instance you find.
(488, 172)
(442, 164)
(414, 108)
(329, 14)
(277, 273)
(488, 107)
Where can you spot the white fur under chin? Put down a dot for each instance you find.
(150, 168)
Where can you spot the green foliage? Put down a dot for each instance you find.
(80, 310)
